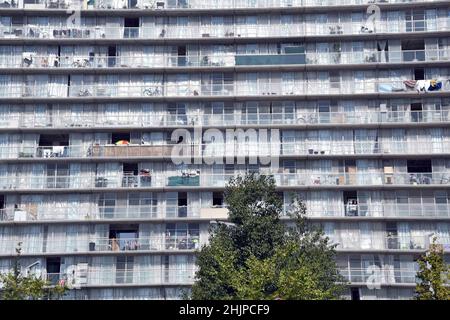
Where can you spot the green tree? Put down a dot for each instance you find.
(433, 275)
(257, 255)
(17, 286)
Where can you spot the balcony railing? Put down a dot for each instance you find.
(195, 4)
(91, 212)
(225, 60)
(383, 242)
(107, 276)
(236, 30)
(304, 88)
(159, 180)
(85, 244)
(139, 119)
(300, 148)
(243, 149)
(379, 275)
(87, 212)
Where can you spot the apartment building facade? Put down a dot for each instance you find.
(92, 91)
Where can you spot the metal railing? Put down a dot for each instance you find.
(92, 212)
(158, 180)
(106, 276)
(196, 4)
(31, 60)
(85, 244)
(196, 89)
(383, 242)
(234, 149)
(65, 119)
(295, 29)
(379, 275)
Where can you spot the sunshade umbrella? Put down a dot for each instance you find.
(122, 142)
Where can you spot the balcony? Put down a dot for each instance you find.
(181, 5)
(300, 149)
(92, 212)
(386, 242)
(231, 60)
(374, 275)
(196, 89)
(109, 276)
(294, 119)
(83, 244)
(224, 31)
(31, 182)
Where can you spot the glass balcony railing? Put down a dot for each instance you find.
(252, 148)
(85, 244)
(181, 5)
(92, 212)
(198, 31)
(374, 275)
(67, 119)
(296, 180)
(303, 88)
(109, 276)
(222, 60)
(383, 242)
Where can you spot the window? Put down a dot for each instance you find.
(351, 203)
(124, 237)
(58, 175)
(419, 166)
(124, 269)
(217, 199)
(53, 269)
(182, 236)
(131, 29)
(355, 294)
(413, 50)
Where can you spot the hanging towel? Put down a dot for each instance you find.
(410, 83)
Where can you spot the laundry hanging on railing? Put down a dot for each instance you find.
(423, 85)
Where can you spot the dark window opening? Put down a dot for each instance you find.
(120, 137)
(392, 235)
(420, 171)
(131, 27)
(351, 203)
(182, 204)
(131, 22)
(124, 237)
(419, 166)
(419, 74)
(182, 53)
(416, 112)
(355, 294)
(2, 202)
(130, 168)
(112, 52)
(53, 269)
(413, 50)
(53, 140)
(217, 199)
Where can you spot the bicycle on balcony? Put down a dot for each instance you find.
(81, 63)
(151, 92)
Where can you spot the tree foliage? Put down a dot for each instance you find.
(433, 275)
(17, 286)
(257, 255)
